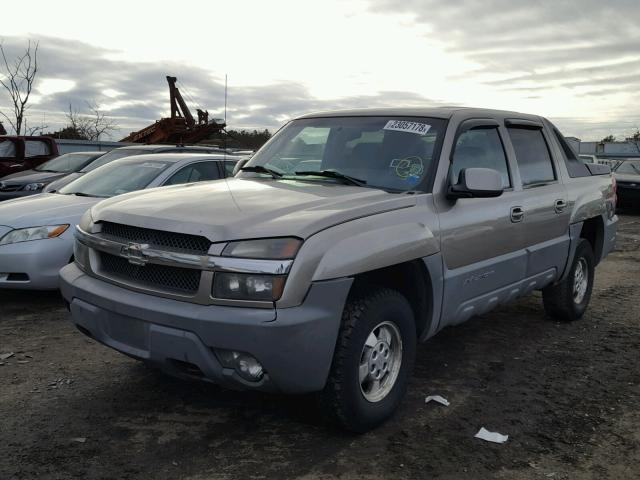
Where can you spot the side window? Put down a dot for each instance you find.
(7, 149)
(197, 172)
(36, 148)
(480, 148)
(575, 166)
(532, 155)
(228, 168)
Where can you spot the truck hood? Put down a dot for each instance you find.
(249, 208)
(44, 209)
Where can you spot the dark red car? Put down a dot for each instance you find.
(24, 153)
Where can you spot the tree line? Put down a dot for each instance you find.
(635, 137)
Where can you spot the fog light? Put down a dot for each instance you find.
(247, 366)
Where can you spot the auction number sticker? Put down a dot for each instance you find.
(410, 127)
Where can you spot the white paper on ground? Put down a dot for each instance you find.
(438, 399)
(494, 437)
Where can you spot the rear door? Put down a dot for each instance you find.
(545, 201)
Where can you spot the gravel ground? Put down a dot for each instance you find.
(566, 394)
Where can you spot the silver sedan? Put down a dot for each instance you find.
(36, 233)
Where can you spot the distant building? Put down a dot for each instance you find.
(627, 148)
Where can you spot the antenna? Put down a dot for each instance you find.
(225, 99)
(225, 116)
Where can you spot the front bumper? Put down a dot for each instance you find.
(39, 260)
(294, 345)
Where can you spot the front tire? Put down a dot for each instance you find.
(568, 300)
(373, 360)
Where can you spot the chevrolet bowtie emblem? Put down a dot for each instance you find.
(134, 253)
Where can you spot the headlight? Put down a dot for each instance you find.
(242, 286)
(33, 233)
(33, 187)
(255, 286)
(269, 248)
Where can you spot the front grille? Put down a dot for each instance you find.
(171, 279)
(180, 242)
(10, 188)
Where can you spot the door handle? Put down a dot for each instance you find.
(559, 206)
(517, 214)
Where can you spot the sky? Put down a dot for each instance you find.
(576, 62)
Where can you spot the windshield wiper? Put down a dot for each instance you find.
(333, 174)
(261, 169)
(82, 194)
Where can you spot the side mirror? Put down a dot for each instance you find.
(477, 183)
(239, 164)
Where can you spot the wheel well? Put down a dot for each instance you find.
(593, 232)
(411, 279)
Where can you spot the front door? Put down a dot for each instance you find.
(481, 237)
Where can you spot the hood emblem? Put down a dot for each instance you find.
(135, 253)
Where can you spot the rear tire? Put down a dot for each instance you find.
(373, 360)
(568, 300)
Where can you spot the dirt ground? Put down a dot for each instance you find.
(567, 395)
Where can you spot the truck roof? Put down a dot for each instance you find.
(444, 112)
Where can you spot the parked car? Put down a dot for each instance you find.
(19, 153)
(36, 233)
(30, 182)
(128, 151)
(627, 174)
(343, 241)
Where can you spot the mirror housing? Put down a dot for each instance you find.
(477, 183)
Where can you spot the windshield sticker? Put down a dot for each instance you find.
(409, 127)
(408, 167)
(153, 165)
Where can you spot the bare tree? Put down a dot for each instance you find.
(91, 126)
(99, 122)
(18, 77)
(37, 130)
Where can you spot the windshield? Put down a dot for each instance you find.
(113, 155)
(69, 162)
(629, 166)
(394, 153)
(116, 178)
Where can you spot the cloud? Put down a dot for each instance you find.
(93, 77)
(579, 51)
(577, 61)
